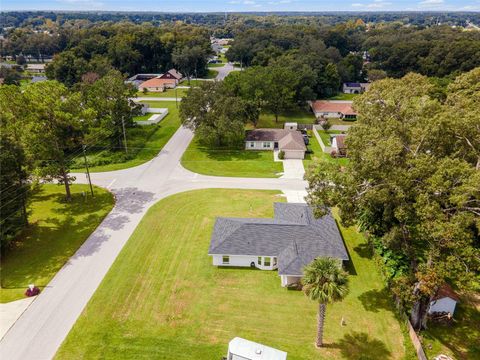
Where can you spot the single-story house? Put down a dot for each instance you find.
(242, 349)
(444, 300)
(333, 109)
(355, 88)
(138, 79)
(338, 144)
(36, 68)
(160, 83)
(288, 242)
(291, 142)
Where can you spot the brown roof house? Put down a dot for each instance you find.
(333, 109)
(291, 142)
(160, 83)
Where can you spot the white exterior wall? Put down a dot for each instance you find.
(152, 89)
(258, 145)
(244, 261)
(328, 114)
(288, 279)
(294, 154)
(442, 305)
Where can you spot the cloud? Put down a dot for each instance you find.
(431, 2)
(376, 4)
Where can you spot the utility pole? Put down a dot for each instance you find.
(124, 135)
(176, 98)
(86, 168)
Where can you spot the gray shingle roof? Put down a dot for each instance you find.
(293, 235)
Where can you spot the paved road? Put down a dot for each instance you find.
(41, 329)
(225, 70)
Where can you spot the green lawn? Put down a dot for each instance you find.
(143, 117)
(461, 340)
(300, 116)
(325, 136)
(239, 163)
(342, 96)
(144, 143)
(57, 229)
(211, 74)
(193, 82)
(216, 65)
(338, 121)
(167, 93)
(163, 299)
(318, 154)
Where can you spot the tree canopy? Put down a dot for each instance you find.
(413, 184)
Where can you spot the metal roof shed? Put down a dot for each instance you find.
(242, 349)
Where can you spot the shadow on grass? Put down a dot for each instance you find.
(461, 337)
(360, 346)
(364, 250)
(348, 265)
(376, 300)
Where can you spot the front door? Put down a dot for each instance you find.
(275, 145)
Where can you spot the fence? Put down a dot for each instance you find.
(325, 149)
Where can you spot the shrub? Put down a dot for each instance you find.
(333, 154)
(281, 154)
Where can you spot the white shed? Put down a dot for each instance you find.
(444, 301)
(290, 126)
(241, 349)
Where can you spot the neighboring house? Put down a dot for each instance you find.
(36, 79)
(338, 144)
(138, 79)
(241, 349)
(333, 109)
(355, 88)
(288, 242)
(444, 301)
(291, 142)
(36, 68)
(169, 80)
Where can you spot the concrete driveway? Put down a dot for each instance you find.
(43, 326)
(293, 169)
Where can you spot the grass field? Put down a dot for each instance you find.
(163, 299)
(167, 93)
(143, 117)
(325, 136)
(300, 116)
(144, 143)
(461, 340)
(216, 65)
(57, 229)
(211, 74)
(239, 163)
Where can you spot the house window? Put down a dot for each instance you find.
(259, 260)
(266, 144)
(225, 259)
(266, 261)
(252, 144)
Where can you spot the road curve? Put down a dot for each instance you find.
(41, 329)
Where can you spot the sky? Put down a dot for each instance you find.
(242, 5)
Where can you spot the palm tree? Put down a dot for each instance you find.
(324, 281)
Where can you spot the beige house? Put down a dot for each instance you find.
(291, 142)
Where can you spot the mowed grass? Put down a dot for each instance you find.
(181, 92)
(144, 142)
(319, 155)
(461, 339)
(300, 116)
(224, 162)
(163, 299)
(57, 229)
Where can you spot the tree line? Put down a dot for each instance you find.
(46, 127)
